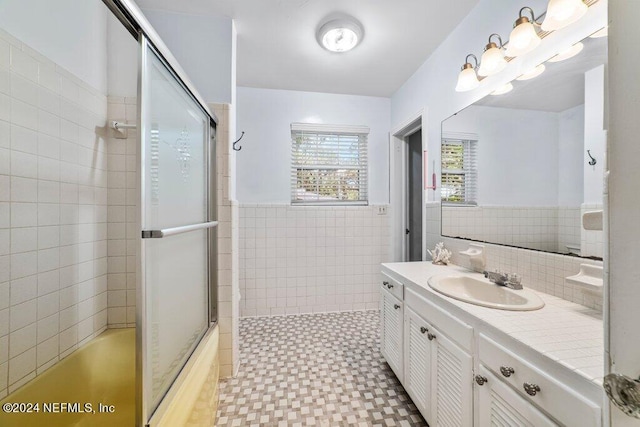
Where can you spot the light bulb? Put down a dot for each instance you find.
(561, 13)
(467, 79)
(340, 40)
(504, 89)
(569, 53)
(533, 73)
(492, 61)
(523, 38)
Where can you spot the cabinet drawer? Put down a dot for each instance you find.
(393, 286)
(562, 403)
(458, 331)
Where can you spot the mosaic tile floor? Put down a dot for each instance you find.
(314, 370)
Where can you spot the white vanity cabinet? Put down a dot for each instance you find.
(500, 405)
(463, 375)
(436, 371)
(391, 325)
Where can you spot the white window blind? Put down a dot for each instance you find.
(459, 171)
(328, 164)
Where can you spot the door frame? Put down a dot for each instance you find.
(399, 153)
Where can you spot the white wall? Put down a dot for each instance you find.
(265, 115)
(506, 150)
(571, 156)
(594, 136)
(123, 52)
(73, 33)
(203, 45)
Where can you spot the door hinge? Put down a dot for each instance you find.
(406, 231)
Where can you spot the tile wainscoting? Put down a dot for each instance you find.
(304, 259)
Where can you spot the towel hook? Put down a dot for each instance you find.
(593, 161)
(238, 140)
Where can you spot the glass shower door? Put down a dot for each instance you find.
(176, 222)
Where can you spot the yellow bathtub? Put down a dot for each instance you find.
(98, 379)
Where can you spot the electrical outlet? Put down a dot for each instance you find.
(382, 210)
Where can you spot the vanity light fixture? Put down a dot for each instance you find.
(523, 38)
(492, 60)
(561, 13)
(569, 53)
(533, 73)
(600, 33)
(502, 90)
(467, 79)
(340, 35)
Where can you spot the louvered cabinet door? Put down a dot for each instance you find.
(417, 356)
(391, 315)
(501, 406)
(451, 377)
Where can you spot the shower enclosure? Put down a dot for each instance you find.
(109, 198)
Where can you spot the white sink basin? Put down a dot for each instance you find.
(480, 291)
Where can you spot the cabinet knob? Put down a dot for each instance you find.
(396, 306)
(431, 336)
(507, 371)
(481, 380)
(531, 389)
(423, 329)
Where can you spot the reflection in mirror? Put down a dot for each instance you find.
(515, 167)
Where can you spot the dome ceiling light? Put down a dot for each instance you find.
(340, 35)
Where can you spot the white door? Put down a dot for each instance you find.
(391, 317)
(452, 382)
(417, 368)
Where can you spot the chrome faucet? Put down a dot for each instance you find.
(512, 281)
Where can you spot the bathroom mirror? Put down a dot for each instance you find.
(521, 168)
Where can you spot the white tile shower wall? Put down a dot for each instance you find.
(122, 216)
(541, 271)
(592, 240)
(53, 213)
(543, 228)
(296, 259)
(228, 261)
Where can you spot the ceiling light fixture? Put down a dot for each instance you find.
(569, 53)
(561, 13)
(340, 35)
(533, 73)
(467, 79)
(492, 60)
(504, 89)
(524, 37)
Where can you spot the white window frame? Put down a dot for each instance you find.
(362, 167)
(470, 170)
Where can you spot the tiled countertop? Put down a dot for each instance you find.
(565, 332)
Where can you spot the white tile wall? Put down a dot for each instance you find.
(296, 259)
(539, 270)
(543, 228)
(228, 262)
(122, 216)
(53, 213)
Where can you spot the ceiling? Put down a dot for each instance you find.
(559, 88)
(277, 47)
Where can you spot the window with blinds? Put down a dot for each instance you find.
(328, 164)
(459, 171)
